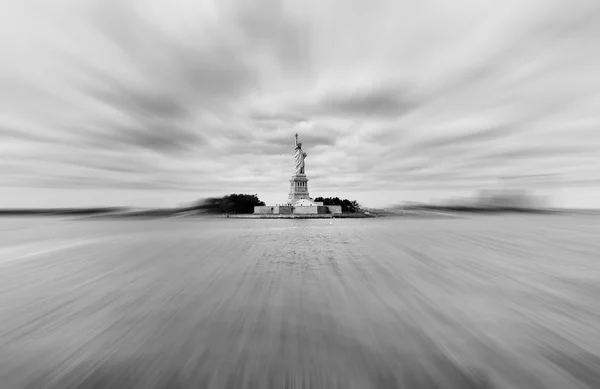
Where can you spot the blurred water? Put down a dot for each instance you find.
(478, 302)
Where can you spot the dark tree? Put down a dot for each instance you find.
(347, 205)
(232, 203)
(239, 203)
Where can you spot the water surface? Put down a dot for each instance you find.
(474, 302)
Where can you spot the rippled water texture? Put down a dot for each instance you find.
(478, 302)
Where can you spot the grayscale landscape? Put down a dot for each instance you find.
(496, 301)
(315, 194)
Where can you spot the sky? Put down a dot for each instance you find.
(162, 102)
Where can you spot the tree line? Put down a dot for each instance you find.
(244, 203)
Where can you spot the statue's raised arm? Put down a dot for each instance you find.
(296, 141)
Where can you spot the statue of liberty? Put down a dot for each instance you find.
(299, 157)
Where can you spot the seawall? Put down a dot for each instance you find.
(301, 216)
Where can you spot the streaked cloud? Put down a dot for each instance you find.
(203, 97)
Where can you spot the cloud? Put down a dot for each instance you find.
(203, 63)
(468, 139)
(285, 118)
(380, 101)
(267, 25)
(160, 137)
(9, 133)
(205, 97)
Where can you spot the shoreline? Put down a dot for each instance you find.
(407, 214)
(299, 216)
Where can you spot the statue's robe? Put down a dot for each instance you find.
(299, 156)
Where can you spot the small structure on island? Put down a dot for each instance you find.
(299, 201)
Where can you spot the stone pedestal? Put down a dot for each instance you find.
(298, 188)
